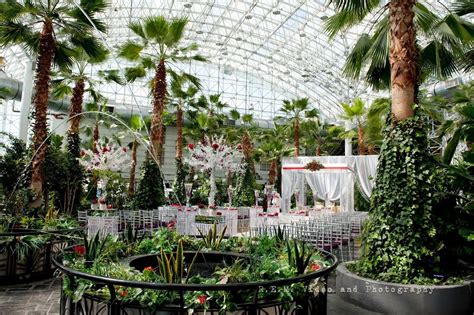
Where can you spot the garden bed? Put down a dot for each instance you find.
(393, 298)
(25, 254)
(230, 279)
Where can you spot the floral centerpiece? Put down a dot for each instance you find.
(213, 154)
(107, 158)
(314, 166)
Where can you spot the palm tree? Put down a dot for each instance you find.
(355, 113)
(295, 108)
(321, 138)
(390, 55)
(40, 26)
(160, 44)
(273, 147)
(136, 123)
(461, 126)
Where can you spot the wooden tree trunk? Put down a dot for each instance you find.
(272, 173)
(179, 130)
(47, 48)
(297, 137)
(76, 107)
(159, 99)
(360, 141)
(133, 165)
(318, 150)
(402, 57)
(95, 137)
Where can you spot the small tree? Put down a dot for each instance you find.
(150, 193)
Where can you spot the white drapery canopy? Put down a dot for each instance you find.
(335, 182)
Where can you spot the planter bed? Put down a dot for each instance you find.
(393, 298)
(36, 264)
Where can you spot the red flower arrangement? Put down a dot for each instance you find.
(149, 268)
(79, 250)
(202, 299)
(314, 166)
(191, 146)
(314, 267)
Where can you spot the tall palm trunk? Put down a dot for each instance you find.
(272, 173)
(296, 138)
(403, 56)
(95, 137)
(159, 98)
(318, 150)
(179, 130)
(133, 165)
(40, 128)
(360, 141)
(76, 107)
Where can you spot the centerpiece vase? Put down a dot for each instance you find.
(212, 193)
(102, 193)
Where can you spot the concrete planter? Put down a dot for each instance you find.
(393, 298)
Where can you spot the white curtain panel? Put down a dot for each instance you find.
(365, 169)
(290, 180)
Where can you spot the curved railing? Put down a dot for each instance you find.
(37, 261)
(314, 301)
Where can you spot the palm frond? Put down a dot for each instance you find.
(137, 28)
(463, 7)
(356, 58)
(437, 59)
(130, 50)
(175, 31)
(133, 73)
(156, 27)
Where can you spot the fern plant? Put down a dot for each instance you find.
(299, 255)
(213, 239)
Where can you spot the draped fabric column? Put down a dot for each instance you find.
(289, 181)
(365, 170)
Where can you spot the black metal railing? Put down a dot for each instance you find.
(313, 301)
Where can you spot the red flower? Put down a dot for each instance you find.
(82, 153)
(124, 149)
(110, 206)
(239, 147)
(218, 213)
(149, 268)
(314, 267)
(171, 225)
(215, 146)
(191, 146)
(123, 293)
(202, 299)
(104, 149)
(79, 250)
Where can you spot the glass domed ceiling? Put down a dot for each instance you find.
(260, 52)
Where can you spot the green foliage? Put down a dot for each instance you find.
(171, 266)
(179, 193)
(299, 255)
(400, 240)
(14, 177)
(150, 193)
(213, 239)
(75, 173)
(95, 248)
(244, 195)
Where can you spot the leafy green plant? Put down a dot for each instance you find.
(95, 248)
(213, 240)
(299, 255)
(171, 266)
(401, 239)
